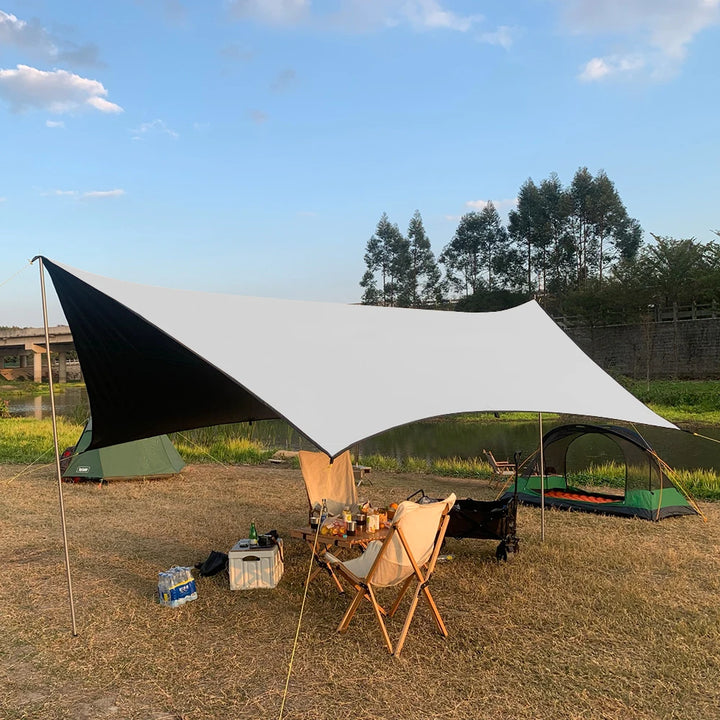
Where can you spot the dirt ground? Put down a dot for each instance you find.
(608, 618)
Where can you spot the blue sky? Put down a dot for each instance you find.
(250, 146)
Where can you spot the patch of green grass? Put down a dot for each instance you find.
(445, 467)
(607, 474)
(488, 418)
(702, 484)
(23, 440)
(682, 401)
(15, 388)
(382, 463)
(458, 467)
(231, 451)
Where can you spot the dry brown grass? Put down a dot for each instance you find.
(610, 618)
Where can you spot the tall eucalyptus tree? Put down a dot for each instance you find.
(424, 278)
(387, 261)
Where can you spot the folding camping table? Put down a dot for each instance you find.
(324, 542)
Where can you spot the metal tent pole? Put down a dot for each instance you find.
(57, 448)
(542, 480)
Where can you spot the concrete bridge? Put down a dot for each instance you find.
(22, 351)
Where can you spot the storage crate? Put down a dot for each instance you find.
(255, 567)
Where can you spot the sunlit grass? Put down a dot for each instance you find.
(701, 483)
(606, 617)
(231, 451)
(445, 467)
(23, 440)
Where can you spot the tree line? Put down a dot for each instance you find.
(575, 248)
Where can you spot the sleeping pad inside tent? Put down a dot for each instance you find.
(648, 493)
(150, 457)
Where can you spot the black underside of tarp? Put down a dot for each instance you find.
(140, 381)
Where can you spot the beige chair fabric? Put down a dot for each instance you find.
(419, 523)
(333, 481)
(407, 556)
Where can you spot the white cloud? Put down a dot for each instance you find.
(656, 33)
(154, 126)
(274, 12)
(35, 39)
(56, 91)
(29, 36)
(87, 195)
(92, 194)
(356, 15)
(54, 124)
(62, 193)
(500, 205)
(503, 37)
(600, 68)
(430, 15)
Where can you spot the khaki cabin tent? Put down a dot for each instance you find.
(151, 457)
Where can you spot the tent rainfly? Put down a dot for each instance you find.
(149, 458)
(158, 360)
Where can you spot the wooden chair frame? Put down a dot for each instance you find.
(501, 469)
(421, 576)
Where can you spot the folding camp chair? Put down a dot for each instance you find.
(406, 556)
(501, 469)
(333, 481)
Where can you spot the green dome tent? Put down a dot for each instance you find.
(150, 457)
(649, 492)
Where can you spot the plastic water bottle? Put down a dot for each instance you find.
(175, 600)
(163, 588)
(192, 588)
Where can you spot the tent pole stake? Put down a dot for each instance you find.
(57, 448)
(542, 480)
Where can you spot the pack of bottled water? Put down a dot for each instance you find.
(176, 586)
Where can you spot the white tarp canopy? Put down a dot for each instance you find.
(157, 360)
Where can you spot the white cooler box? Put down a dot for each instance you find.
(255, 567)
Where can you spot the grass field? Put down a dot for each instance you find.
(608, 619)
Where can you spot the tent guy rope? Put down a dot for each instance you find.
(299, 623)
(15, 274)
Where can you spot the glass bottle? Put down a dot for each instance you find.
(323, 512)
(253, 534)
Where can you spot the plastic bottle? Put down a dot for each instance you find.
(193, 588)
(172, 589)
(253, 534)
(178, 587)
(163, 588)
(347, 515)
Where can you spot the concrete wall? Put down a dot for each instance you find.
(688, 349)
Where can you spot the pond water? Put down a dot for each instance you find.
(72, 402)
(446, 438)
